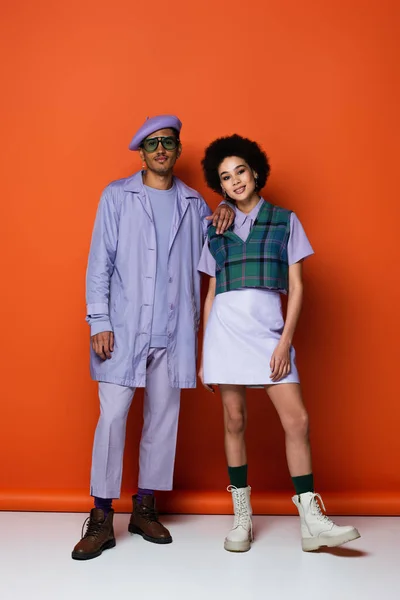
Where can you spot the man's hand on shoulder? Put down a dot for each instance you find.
(103, 344)
(222, 218)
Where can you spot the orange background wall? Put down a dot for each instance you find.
(315, 83)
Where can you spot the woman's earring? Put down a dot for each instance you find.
(256, 180)
(223, 192)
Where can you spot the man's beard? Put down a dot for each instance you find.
(160, 170)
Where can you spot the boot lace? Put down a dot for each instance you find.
(315, 503)
(150, 514)
(93, 529)
(242, 516)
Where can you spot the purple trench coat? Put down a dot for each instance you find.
(120, 282)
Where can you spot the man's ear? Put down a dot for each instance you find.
(179, 151)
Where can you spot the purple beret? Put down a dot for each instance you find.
(152, 125)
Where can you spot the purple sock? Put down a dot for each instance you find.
(141, 492)
(104, 503)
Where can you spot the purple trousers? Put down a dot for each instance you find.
(160, 427)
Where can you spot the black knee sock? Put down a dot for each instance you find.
(303, 484)
(238, 476)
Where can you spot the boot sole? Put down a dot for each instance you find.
(310, 544)
(106, 546)
(237, 546)
(135, 530)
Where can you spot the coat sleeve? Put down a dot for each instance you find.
(205, 211)
(100, 267)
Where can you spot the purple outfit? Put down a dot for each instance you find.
(121, 282)
(244, 326)
(143, 284)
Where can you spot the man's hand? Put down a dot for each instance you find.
(103, 344)
(222, 218)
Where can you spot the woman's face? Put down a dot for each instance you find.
(237, 179)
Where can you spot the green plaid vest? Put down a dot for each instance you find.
(259, 262)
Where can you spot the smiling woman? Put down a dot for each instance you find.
(239, 181)
(249, 266)
(226, 158)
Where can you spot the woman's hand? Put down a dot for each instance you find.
(209, 388)
(280, 362)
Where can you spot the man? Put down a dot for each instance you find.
(143, 307)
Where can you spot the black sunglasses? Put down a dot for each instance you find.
(168, 142)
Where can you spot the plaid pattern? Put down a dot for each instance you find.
(259, 262)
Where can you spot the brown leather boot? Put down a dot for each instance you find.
(99, 535)
(144, 521)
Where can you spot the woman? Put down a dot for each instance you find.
(246, 341)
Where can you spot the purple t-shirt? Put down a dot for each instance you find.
(298, 245)
(162, 204)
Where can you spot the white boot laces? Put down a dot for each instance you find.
(315, 503)
(242, 516)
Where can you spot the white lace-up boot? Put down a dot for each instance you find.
(241, 535)
(317, 529)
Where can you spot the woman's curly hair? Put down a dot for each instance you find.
(234, 145)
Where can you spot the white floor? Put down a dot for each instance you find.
(35, 562)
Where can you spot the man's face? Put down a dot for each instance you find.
(161, 160)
